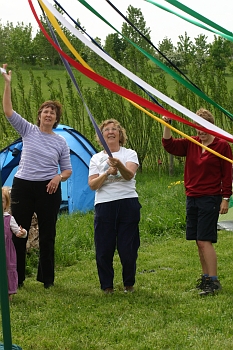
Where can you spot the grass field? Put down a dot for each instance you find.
(60, 73)
(54, 74)
(164, 313)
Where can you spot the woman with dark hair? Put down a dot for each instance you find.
(36, 186)
(117, 209)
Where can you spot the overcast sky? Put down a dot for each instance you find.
(161, 23)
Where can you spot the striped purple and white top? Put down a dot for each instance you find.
(42, 153)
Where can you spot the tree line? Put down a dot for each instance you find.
(208, 65)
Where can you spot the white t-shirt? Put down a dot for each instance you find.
(114, 187)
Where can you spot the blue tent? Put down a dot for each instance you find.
(76, 194)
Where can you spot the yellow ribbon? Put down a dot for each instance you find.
(79, 58)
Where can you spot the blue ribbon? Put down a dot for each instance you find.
(99, 46)
(102, 140)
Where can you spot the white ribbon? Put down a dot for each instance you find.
(132, 76)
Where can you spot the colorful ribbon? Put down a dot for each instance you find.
(101, 138)
(162, 66)
(195, 14)
(134, 78)
(121, 91)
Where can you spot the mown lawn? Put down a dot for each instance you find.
(164, 313)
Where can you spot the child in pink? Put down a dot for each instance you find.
(10, 226)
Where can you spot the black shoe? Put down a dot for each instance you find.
(201, 282)
(109, 291)
(211, 287)
(129, 289)
(48, 285)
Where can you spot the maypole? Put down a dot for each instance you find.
(5, 309)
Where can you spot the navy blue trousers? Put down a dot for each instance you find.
(116, 227)
(27, 198)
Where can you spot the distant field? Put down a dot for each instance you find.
(60, 73)
(54, 75)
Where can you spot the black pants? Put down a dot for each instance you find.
(27, 198)
(202, 215)
(116, 226)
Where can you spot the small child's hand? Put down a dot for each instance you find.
(22, 233)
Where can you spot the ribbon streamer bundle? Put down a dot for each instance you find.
(51, 12)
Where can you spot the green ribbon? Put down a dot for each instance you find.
(198, 16)
(224, 32)
(161, 65)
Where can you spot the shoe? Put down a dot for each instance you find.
(210, 287)
(108, 291)
(129, 289)
(20, 285)
(48, 285)
(201, 282)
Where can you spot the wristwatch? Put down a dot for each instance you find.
(61, 177)
(226, 199)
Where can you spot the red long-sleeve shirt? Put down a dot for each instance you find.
(205, 174)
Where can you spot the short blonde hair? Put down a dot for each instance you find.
(205, 114)
(6, 194)
(122, 132)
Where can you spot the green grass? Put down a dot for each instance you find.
(163, 313)
(54, 74)
(60, 73)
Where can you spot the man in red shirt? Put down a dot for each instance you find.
(208, 187)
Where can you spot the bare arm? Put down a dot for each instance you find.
(96, 181)
(54, 183)
(224, 206)
(65, 174)
(22, 233)
(167, 131)
(6, 102)
(127, 171)
(16, 229)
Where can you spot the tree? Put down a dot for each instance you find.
(115, 46)
(166, 45)
(201, 50)
(220, 53)
(3, 40)
(17, 42)
(185, 49)
(44, 52)
(132, 57)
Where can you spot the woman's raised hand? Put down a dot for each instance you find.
(6, 76)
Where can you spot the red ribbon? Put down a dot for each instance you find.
(119, 89)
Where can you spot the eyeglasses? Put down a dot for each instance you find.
(110, 129)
